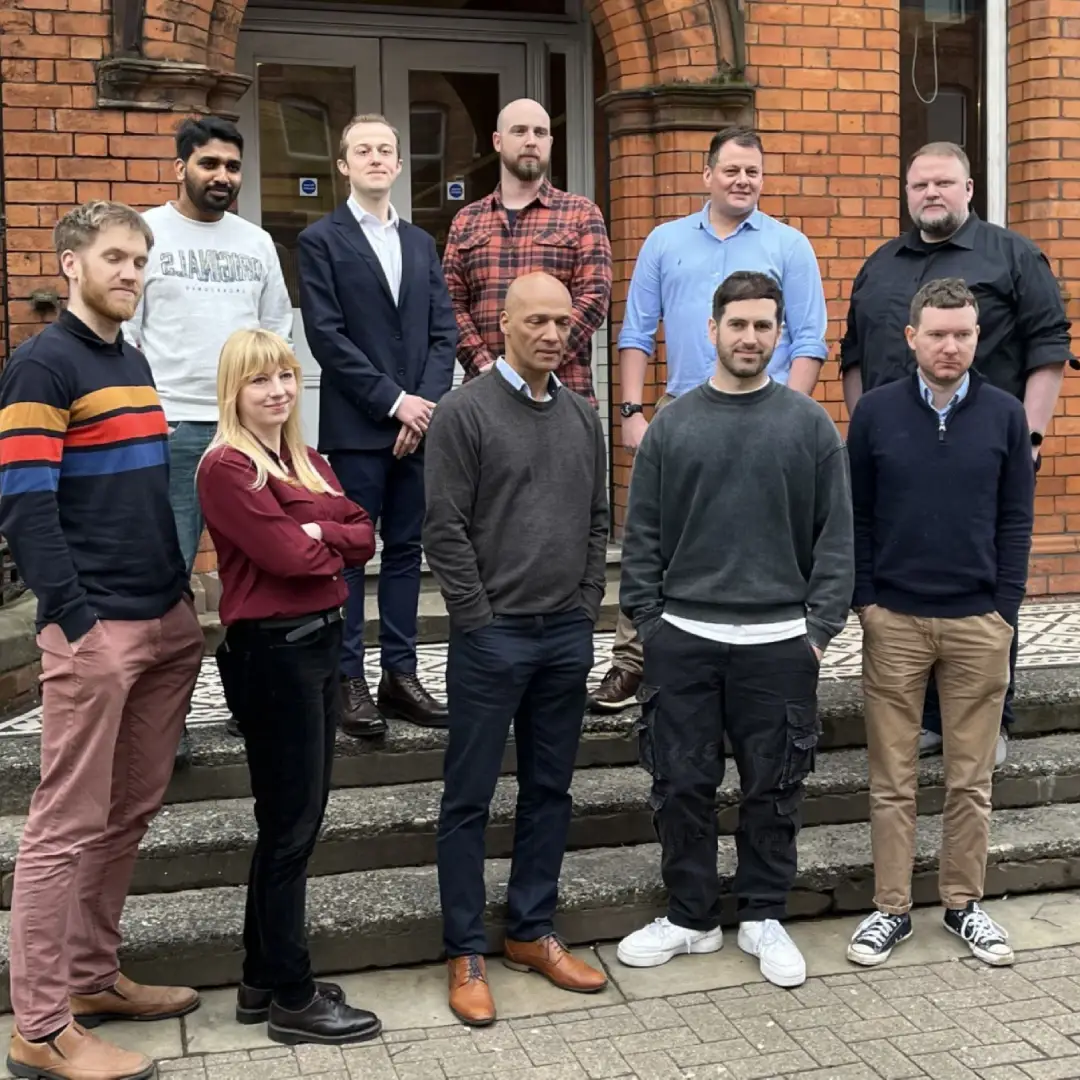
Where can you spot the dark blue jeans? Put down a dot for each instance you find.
(392, 493)
(529, 670)
(932, 707)
(187, 444)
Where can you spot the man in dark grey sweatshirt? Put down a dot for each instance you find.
(737, 570)
(516, 535)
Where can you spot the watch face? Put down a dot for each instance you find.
(629, 410)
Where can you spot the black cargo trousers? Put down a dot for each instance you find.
(764, 697)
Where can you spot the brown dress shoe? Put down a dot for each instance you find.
(360, 717)
(403, 697)
(128, 1000)
(549, 957)
(618, 690)
(75, 1055)
(470, 995)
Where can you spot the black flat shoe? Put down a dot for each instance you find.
(325, 1022)
(253, 1006)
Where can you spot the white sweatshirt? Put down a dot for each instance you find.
(204, 280)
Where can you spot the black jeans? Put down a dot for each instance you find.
(932, 707)
(285, 697)
(765, 698)
(531, 670)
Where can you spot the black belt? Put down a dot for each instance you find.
(299, 628)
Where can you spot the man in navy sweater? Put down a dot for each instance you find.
(943, 488)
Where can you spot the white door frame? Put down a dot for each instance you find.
(997, 111)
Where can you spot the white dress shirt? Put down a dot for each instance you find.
(385, 241)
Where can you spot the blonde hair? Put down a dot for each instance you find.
(245, 355)
(80, 227)
(366, 118)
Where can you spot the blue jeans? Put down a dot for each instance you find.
(527, 670)
(188, 441)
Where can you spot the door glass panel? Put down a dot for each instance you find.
(556, 108)
(302, 111)
(451, 118)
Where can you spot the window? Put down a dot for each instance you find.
(427, 136)
(943, 84)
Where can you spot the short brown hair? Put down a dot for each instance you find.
(745, 137)
(78, 228)
(943, 293)
(366, 118)
(942, 149)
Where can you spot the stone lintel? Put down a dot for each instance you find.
(133, 82)
(678, 107)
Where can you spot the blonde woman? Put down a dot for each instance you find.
(284, 533)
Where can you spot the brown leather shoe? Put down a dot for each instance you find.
(403, 697)
(470, 996)
(360, 717)
(549, 957)
(617, 691)
(75, 1054)
(128, 1000)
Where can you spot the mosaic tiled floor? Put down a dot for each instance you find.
(1049, 637)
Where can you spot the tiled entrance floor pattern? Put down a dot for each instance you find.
(1049, 637)
(933, 1012)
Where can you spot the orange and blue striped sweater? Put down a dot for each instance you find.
(84, 480)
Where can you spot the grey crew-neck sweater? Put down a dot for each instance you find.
(517, 510)
(740, 513)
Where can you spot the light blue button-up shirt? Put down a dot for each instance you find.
(518, 383)
(928, 396)
(679, 268)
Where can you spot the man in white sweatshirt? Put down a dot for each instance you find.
(210, 273)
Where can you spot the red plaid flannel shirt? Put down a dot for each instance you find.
(559, 233)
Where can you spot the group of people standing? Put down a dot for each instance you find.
(751, 532)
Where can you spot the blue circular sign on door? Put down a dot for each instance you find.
(309, 186)
(455, 190)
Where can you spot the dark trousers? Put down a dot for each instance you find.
(530, 670)
(932, 707)
(392, 493)
(285, 698)
(764, 697)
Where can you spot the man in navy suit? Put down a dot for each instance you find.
(378, 319)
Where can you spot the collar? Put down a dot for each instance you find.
(753, 220)
(928, 394)
(365, 217)
(75, 326)
(964, 237)
(544, 196)
(518, 383)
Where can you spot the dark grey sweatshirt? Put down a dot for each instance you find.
(740, 513)
(517, 509)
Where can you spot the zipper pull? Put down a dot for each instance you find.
(941, 429)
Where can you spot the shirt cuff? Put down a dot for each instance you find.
(397, 404)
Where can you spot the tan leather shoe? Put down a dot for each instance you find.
(470, 996)
(549, 957)
(75, 1054)
(128, 1000)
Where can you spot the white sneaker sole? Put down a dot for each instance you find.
(612, 706)
(712, 942)
(787, 979)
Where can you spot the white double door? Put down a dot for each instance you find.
(443, 97)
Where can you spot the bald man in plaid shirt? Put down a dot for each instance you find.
(527, 225)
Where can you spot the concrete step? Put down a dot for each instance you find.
(381, 918)
(207, 844)
(1047, 702)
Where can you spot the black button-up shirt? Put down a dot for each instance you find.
(1022, 323)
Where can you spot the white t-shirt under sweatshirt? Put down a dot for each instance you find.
(204, 280)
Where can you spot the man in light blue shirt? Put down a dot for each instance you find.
(678, 269)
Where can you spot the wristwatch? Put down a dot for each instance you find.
(1036, 438)
(628, 408)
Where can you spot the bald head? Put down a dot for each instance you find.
(523, 139)
(535, 323)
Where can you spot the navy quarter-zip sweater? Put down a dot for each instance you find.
(944, 510)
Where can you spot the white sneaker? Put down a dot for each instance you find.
(662, 940)
(781, 962)
(929, 743)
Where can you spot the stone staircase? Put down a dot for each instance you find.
(373, 898)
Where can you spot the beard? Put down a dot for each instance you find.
(206, 200)
(106, 304)
(744, 365)
(941, 228)
(527, 169)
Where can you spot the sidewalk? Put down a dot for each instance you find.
(932, 1012)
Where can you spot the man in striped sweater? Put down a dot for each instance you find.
(84, 479)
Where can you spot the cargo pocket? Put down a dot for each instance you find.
(800, 754)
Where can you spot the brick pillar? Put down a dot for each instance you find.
(1044, 204)
(828, 109)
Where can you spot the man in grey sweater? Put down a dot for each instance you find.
(737, 570)
(516, 535)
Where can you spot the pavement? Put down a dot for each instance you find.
(932, 1012)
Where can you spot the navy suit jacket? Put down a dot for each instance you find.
(369, 348)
